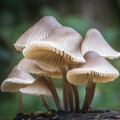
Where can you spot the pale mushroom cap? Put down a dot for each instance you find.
(15, 73)
(39, 87)
(14, 84)
(16, 80)
(61, 48)
(96, 68)
(29, 66)
(94, 41)
(42, 29)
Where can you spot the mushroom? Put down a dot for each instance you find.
(57, 47)
(60, 50)
(94, 41)
(39, 87)
(42, 29)
(17, 79)
(28, 65)
(96, 69)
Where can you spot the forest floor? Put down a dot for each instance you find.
(62, 115)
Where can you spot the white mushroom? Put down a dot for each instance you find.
(94, 41)
(28, 65)
(17, 79)
(61, 49)
(96, 69)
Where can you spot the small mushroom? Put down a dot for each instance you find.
(28, 65)
(42, 29)
(94, 41)
(60, 50)
(96, 69)
(39, 87)
(17, 79)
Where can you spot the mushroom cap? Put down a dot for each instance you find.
(29, 66)
(16, 80)
(96, 68)
(38, 87)
(61, 48)
(94, 41)
(15, 73)
(14, 84)
(42, 29)
(47, 67)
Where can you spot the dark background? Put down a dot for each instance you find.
(16, 16)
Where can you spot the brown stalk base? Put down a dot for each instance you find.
(76, 96)
(54, 93)
(62, 115)
(44, 102)
(65, 96)
(67, 92)
(90, 91)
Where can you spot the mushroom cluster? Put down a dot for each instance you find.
(54, 51)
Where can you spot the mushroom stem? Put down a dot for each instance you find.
(19, 102)
(54, 93)
(65, 96)
(67, 91)
(90, 90)
(44, 102)
(70, 96)
(76, 96)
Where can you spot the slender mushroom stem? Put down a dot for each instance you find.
(67, 91)
(54, 92)
(70, 96)
(44, 102)
(52, 88)
(19, 102)
(76, 96)
(65, 96)
(90, 90)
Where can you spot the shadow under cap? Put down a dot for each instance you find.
(96, 68)
(42, 29)
(29, 66)
(94, 41)
(61, 48)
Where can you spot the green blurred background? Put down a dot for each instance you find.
(16, 16)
